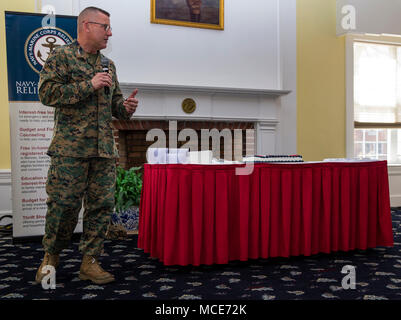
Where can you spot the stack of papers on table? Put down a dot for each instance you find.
(166, 155)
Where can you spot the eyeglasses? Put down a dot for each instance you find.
(106, 27)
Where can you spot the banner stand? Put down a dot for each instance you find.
(30, 39)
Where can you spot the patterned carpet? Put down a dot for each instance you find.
(138, 277)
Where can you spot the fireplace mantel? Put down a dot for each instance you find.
(203, 89)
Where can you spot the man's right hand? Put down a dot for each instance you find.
(101, 79)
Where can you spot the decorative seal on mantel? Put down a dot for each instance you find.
(188, 105)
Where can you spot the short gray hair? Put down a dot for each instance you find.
(84, 13)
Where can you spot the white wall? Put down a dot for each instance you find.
(243, 55)
(394, 180)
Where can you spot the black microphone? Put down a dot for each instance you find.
(105, 66)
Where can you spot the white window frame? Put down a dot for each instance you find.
(349, 83)
(394, 170)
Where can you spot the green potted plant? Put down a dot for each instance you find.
(127, 197)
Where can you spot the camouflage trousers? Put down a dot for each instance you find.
(72, 182)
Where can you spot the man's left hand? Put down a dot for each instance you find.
(131, 103)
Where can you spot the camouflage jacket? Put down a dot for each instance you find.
(83, 116)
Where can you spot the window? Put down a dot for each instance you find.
(381, 144)
(377, 101)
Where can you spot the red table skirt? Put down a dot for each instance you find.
(206, 214)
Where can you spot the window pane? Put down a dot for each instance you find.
(371, 135)
(387, 147)
(377, 82)
(370, 149)
(382, 149)
(358, 135)
(358, 150)
(383, 135)
(375, 74)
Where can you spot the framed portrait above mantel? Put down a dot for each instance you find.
(189, 13)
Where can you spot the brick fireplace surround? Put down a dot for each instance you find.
(130, 137)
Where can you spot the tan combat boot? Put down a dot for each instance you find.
(91, 270)
(49, 259)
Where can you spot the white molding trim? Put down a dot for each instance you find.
(268, 124)
(394, 176)
(394, 170)
(349, 96)
(395, 200)
(201, 89)
(221, 119)
(266, 136)
(5, 176)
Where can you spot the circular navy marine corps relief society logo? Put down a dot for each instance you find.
(41, 43)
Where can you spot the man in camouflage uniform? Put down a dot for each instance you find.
(82, 150)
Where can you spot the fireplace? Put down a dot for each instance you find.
(250, 110)
(130, 137)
